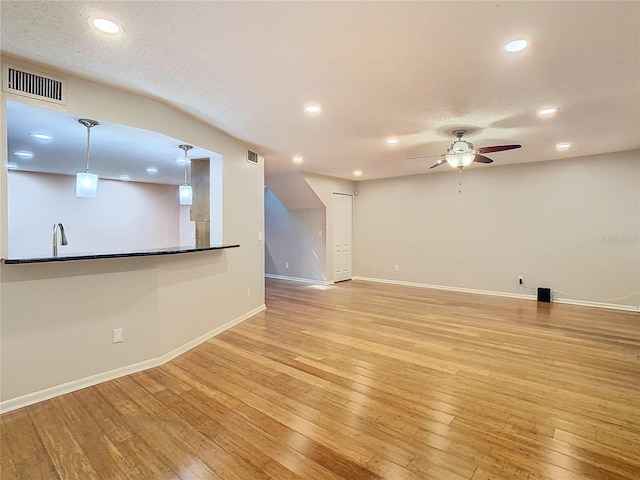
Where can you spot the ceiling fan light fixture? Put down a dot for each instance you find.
(460, 154)
(459, 160)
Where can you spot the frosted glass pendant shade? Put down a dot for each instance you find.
(186, 195)
(86, 185)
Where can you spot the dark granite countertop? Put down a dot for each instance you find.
(139, 253)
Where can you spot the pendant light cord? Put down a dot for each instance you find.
(87, 122)
(185, 149)
(186, 167)
(88, 145)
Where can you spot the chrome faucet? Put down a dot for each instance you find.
(63, 237)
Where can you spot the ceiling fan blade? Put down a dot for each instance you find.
(497, 148)
(423, 156)
(482, 159)
(438, 163)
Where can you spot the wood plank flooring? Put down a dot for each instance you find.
(361, 381)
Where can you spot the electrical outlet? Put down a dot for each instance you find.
(319, 233)
(520, 280)
(117, 335)
(248, 291)
(286, 264)
(259, 236)
(396, 268)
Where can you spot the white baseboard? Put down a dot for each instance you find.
(450, 289)
(57, 390)
(297, 279)
(587, 303)
(568, 301)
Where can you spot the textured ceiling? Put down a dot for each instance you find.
(410, 70)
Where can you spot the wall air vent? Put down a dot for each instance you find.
(33, 85)
(252, 157)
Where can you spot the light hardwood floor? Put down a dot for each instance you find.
(361, 381)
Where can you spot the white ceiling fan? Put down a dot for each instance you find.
(461, 153)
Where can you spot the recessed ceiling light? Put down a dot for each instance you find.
(152, 170)
(357, 173)
(297, 159)
(313, 109)
(124, 177)
(516, 46)
(563, 146)
(392, 141)
(12, 166)
(180, 160)
(104, 25)
(547, 112)
(23, 154)
(41, 136)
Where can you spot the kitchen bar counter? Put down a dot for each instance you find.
(94, 256)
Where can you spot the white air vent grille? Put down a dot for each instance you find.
(33, 85)
(252, 157)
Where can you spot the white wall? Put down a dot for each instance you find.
(293, 190)
(187, 227)
(216, 185)
(124, 216)
(56, 319)
(295, 240)
(570, 225)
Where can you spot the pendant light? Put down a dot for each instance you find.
(185, 191)
(87, 182)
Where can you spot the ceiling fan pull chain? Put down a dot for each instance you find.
(460, 186)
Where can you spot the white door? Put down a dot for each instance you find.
(342, 221)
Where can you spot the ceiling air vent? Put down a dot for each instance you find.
(252, 157)
(33, 85)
